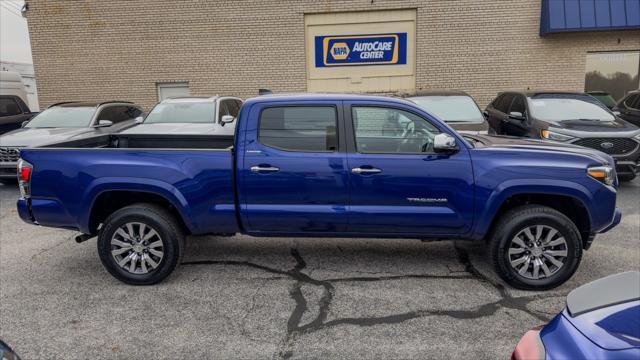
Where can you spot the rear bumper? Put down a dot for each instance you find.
(24, 211)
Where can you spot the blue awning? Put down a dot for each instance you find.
(589, 15)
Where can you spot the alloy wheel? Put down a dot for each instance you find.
(137, 248)
(537, 252)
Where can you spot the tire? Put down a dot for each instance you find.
(536, 219)
(626, 177)
(168, 241)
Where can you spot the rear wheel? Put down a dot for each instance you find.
(140, 244)
(535, 247)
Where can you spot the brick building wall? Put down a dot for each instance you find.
(89, 50)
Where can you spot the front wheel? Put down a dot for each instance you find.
(535, 247)
(140, 244)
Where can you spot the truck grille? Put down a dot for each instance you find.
(611, 146)
(9, 154)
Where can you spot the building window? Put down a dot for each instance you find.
(613, 72)
(171, 90)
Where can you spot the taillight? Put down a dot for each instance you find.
(24, 178)
(530, 347)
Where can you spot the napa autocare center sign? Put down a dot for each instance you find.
(360, 50)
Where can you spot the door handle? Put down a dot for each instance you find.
(264, 169)
(366, 171)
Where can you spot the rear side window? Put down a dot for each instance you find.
(9, 107)
(299, 128)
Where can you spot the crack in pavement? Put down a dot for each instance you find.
(295, 327)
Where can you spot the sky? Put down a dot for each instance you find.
(14, 35)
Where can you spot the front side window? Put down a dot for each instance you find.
(457, 108)
(117, 114)
(299, 128)
(9, 107)
(182, 112)
(63, 117)
(633, 102)
(386, 130)
(550, 107)
(504, 103)
(518, 105)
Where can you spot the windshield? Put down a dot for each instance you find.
(63, 117)
(458, 108)
(559, 109)
(182, 112)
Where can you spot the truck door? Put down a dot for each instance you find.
(398, 184)
(293, 174)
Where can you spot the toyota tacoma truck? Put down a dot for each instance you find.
(326, 166)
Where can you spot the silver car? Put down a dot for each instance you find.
(190, 116)
(63, 122)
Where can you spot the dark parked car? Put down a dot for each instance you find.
(13, 112)
(629, 107)
(601, 321)
(191, 116)
(457, 108)
(604, 97)
(62, 122)
(568, 117)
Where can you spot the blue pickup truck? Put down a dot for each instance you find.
(325, 166)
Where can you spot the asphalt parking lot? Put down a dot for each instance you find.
(246, 297)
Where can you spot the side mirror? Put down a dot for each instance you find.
(24, 123)
(516, 115)
(104, 123)
(616, 113)
(226, 119)
(139, 120)
(444, 143)
(485, 114)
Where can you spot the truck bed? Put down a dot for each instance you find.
(194, 172)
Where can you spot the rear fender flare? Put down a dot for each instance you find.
(160, 188)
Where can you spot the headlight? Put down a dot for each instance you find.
(604, 174)
(554, 136)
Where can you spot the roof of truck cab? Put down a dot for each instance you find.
(323, 97)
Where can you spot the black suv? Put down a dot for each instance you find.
(62, 122)
(629, 107)
(568, 117)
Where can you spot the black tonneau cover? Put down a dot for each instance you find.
(605, 292)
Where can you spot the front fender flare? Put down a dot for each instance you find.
(510, 188)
